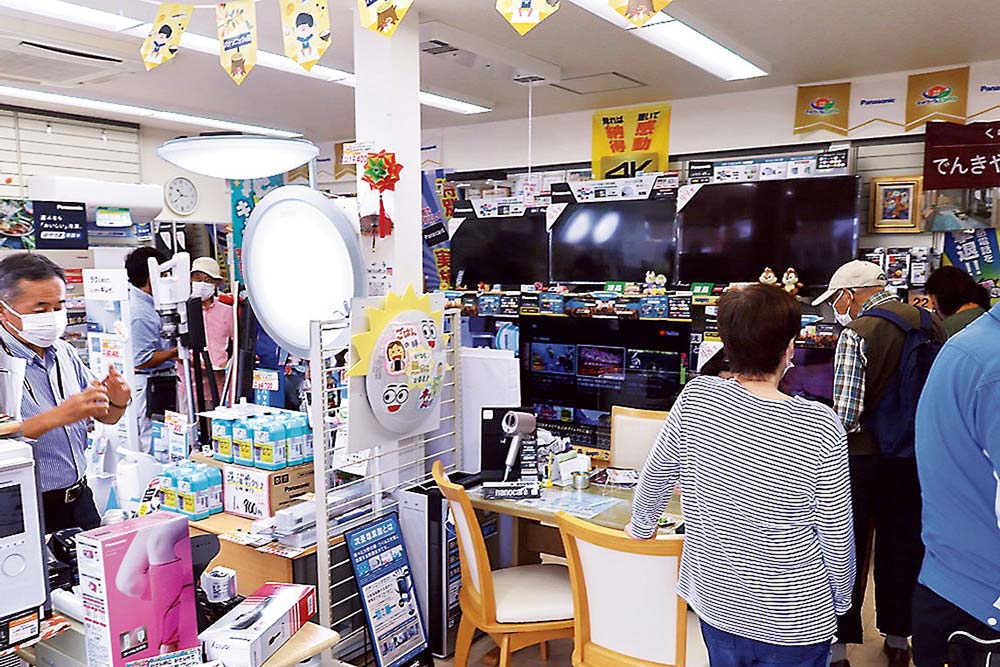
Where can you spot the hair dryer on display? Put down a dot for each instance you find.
(517, 425)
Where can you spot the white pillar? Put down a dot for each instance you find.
(387, 112)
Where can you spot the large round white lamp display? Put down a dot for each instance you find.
(301, 262)
(238, 156)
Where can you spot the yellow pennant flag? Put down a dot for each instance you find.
(526, 14)
(306, 28)
(639, 11)
(383, 16)
(165, 34)
(236, 22)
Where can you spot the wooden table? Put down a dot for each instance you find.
(255, 568)
(535, 530)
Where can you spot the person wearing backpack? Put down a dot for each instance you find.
(883, 358)
(956, 606)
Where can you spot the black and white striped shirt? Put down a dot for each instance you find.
(769, 543)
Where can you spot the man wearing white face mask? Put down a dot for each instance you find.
(60, 395)
(885, 489)
(205, 280)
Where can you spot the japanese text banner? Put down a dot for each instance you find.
(630, 141)
(962, 156)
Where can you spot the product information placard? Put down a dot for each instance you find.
(60, 225)
(382, 570)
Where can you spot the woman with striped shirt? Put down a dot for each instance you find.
(769, 550)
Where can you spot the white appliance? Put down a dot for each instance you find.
(22, 569)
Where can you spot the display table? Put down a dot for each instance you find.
(311, 640)
(255, 567)
(535, 530)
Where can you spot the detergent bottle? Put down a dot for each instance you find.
(222, 440)
(243, 441)
(296, 436)
(168, 488)
(214, 475)
(269, 444)
(308, 438)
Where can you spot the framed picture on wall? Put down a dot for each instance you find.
(896, 205)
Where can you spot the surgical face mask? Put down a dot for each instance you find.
(843, 319)
(203, 291)
(41, 329)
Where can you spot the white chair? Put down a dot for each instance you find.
(633, 434)
(518, 606)
(628, 613)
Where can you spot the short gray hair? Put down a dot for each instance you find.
(25, 266)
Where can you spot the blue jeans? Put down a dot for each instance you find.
(726, 650)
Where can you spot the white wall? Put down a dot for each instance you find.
(213, 194)
(753, 119)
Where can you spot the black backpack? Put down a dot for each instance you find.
(892, 422)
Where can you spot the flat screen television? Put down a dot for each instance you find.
(573, 370)
(730, 232)
(505, 251)
(620, 240)
(811, 376)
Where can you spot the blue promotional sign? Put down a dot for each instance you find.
(385, 584)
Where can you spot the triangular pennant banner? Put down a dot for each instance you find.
(639, 11)
(236, 22)
(383, 16)
(306, 28)
(526, 14)
(165, 34)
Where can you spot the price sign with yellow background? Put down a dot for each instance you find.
(630, 141)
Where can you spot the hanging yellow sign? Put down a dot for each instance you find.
(630, 141)
(383, 16)
(526, 14)
(823, 107)
(940, 95)
(165, 34)
(306, 28)
(236, 22)
(639, 11)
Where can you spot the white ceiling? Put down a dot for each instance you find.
(801, 41)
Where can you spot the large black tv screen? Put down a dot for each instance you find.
(730, 232)
(611, 241)
(506, 251)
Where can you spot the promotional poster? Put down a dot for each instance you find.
(630, 141)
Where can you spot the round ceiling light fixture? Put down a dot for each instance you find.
(238, 156)
(301, 262)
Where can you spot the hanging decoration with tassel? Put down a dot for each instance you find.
(381, 174)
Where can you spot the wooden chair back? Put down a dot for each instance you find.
(633, 434)
(627, 610)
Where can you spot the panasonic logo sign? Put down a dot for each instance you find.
(989, 89)
(883, 100)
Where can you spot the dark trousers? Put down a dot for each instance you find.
(729, 650)
(885, 497)
(81, 513)
(934, 619)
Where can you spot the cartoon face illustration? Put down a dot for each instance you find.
(639, 9)
(304, 23)
(395, 396)
(387, 18)
(429, 329)
(395, 356)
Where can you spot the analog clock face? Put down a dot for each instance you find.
(181, 196)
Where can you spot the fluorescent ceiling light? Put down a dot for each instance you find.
(680, 39)
(140, 112)
(101, 20)
(238, 157)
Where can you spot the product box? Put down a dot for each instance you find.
(551, 303)
(255, 493)
(137, 583)
(256, 628)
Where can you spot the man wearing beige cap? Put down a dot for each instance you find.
(885, 489)
(206, 278)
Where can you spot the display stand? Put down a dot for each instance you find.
(363, 486)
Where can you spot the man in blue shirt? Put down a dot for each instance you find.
(60, 395)
(153, 355)
(958, 457)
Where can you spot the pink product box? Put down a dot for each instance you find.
(137, 583)
(256, 628)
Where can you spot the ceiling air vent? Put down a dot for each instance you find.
(57, 63)
(436, 47)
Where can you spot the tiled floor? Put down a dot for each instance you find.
(867, 655)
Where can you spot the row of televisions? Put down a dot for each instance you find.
(723, 233)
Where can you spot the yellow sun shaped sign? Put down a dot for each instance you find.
(403, 360)
(526, 14)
